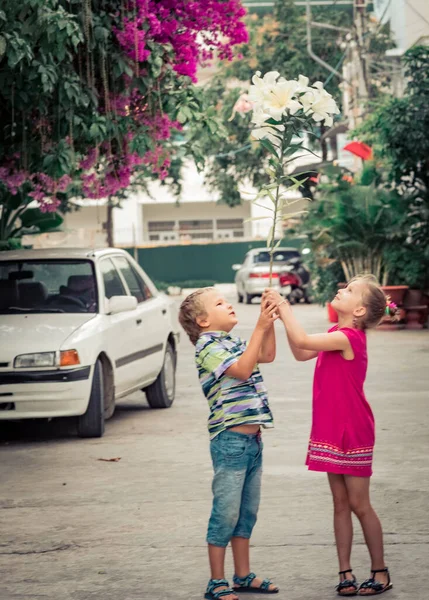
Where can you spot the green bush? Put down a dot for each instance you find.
(409, 265)
(10, 244)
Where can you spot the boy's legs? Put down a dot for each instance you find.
(230, 460)
(250, 500)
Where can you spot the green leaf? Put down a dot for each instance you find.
(212, 125)
(268, 146)
(101, 34)
(181, 117)
(2, 46)
(278, 244)
(34, 217)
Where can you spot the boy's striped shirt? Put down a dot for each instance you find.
(232, 401)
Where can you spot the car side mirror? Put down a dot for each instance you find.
(120, 304)
(236, 267)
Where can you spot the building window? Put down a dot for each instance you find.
(201, 235)
(238, 234)
(230, 224)
(198, 225)
(161, 225)
(154, 238)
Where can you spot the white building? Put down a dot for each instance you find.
(408, 19)
(161, 218)
(196, 215)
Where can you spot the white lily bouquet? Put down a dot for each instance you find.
(284, 114)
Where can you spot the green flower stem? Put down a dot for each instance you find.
(279, 175)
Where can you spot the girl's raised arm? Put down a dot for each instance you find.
(299, 339)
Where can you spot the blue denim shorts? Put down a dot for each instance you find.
(237, 464)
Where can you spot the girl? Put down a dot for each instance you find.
(342, 434)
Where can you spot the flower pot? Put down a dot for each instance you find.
(332, 314)
(415, 309)
(396, 293)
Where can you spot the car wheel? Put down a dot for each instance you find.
(248, 298)
(91, 424)
(161, 393)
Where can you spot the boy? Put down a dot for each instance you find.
(231, 381)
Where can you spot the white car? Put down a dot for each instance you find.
(80, 329)
(252, 276)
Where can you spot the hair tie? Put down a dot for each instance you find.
(391, 307)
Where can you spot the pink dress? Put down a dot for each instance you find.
(342, 434)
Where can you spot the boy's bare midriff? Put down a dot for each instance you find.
(247, 429)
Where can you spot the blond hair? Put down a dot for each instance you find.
(191, 308)
(375, 301)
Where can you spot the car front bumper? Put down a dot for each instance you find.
(44, 393)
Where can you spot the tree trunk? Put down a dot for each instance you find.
(324, 143)
(109, 223)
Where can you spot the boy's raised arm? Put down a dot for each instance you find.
(243, 368)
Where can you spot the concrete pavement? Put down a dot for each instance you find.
(77, 528)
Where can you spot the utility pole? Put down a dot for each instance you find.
(361, 43)
(355, 72)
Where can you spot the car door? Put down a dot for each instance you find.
(121, 330)
(152, 320)
(244, 273)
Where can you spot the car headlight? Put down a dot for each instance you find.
(39, 359)
(65, 358)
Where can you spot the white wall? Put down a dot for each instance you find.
(81, 229)
(195, 211)
(409, 20)
(196, 202)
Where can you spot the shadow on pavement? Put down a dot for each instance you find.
(41, 430)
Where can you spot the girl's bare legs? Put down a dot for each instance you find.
(358, 494)
(343, 526)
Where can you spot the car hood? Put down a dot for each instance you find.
(27, 333)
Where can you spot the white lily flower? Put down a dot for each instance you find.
(260, 90)
(302, 84)
(271, 77)
(259, 116)
(319, 102)
(282, 99)
(267, 133)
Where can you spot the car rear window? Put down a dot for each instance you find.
(46, 286)
(279, 256)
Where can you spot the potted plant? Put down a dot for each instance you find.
(409, 265)
(355, 226)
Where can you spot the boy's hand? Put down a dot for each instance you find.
(268, 315)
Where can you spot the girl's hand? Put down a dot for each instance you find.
(272, 296)
(268, 314)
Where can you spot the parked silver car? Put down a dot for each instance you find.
(252, 276)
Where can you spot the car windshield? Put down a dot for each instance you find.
(47, 286)
(279, 256)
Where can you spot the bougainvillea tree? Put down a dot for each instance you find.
(93, 92)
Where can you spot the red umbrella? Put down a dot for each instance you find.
(359, 149)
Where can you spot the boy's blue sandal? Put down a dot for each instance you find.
(347, 583)
(375, 586)
(243, 585)
(212, 586)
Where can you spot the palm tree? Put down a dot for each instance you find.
(356, 225)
